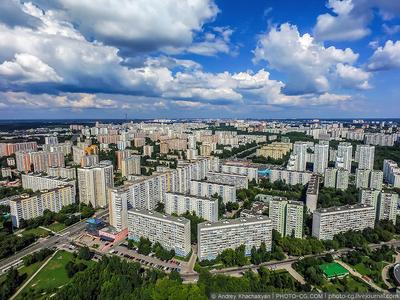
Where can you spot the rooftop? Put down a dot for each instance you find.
(232, 222)
(157, 215)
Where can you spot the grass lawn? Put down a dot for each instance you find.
(50, 278)
(56, 227)
(375, 274)
(349, 284)
(39, 232)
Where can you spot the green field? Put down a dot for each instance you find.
(348, 284)
(39, 232)
(56, 227)
(50, 278)
(374, 273)
(333, 269)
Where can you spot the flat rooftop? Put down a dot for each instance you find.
(232, 222)
(342, 208)
(157, 215)
(192, 196)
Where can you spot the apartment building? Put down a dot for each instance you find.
(312, 193)
(119, 202)
(369, 179)
(28, 207)
(337, 178)
(93, 183)
(130, 165)
(275, 150)
(344, 156)
(63, 172)
(290, 177)
(206, 208)
(240, 181)
(208, 189)
(37, 182)
(249, 171)
(330, 221)
(215, 237)
(7, 149)
(391, 173)
(286, 216)
(365, 156)
(173, 233)
(385, 203)
(321, 157)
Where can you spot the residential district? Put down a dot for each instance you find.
(201, 206)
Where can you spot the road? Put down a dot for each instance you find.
(282, 263)
(49, 242)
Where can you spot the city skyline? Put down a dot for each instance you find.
(169, 59)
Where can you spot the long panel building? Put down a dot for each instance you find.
(28, 207)
(171, 232)
(330, 221)
(240, 181)
(213, 238)
(37, 182)
(206, 208)
(208, 189)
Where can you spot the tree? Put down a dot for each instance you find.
(84, 253)
(160, 207)
(144, 246)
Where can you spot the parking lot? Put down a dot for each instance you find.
(149, 261)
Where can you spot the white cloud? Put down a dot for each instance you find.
(353, 77)
(349, 19)
(28, 68)
(140, 25)
(386, 57)
(309, 65)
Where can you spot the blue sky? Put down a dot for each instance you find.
(199, 58)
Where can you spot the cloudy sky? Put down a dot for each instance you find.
(199, 58)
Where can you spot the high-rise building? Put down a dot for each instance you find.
(362, 178)
(130, 165)
(37, 182)
(286, 216)
(250, 172)
(122, 154)
(89, 160)
(365, 156)
(321, 157)
(206, 208)
(240, 181)
(28, 207)
(93, 183)
(391, 173)
(344, 156)
(330, 221)
(63, 172)
(6, 149)
(312, 193)
(369, 179)
(118, 204)
(289, 177)
(300, 150)
(50, 140)
(330, 177)
(147, 150)
(342, 179)
(215, 237)
(387, 210)
(208, 189)
(173, 233)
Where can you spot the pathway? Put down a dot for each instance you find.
(356, 274)
(33, 276)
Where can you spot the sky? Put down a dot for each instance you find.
(137, 59)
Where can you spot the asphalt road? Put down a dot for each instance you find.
(49, 242)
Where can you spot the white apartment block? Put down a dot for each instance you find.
(40, 160)
(171, 232)
(93, 183)
(206, 208)
(130, 165)
(300, 151)
(213, 238)
(286, 216)
(119, 202)
(312, 193)
(321, 157)
(147, 191)
(147, 150)
(240, 181)
(208, 189)
(290, 177)
(250, 172)
(28, 207)
(369, 179)
(64, 148)
(330, 221)
(385, 203)
(336, 178)
(379, 139)
(391, 173)
(63, 172)
(344, 156)
(37, 182)
(365, 156)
